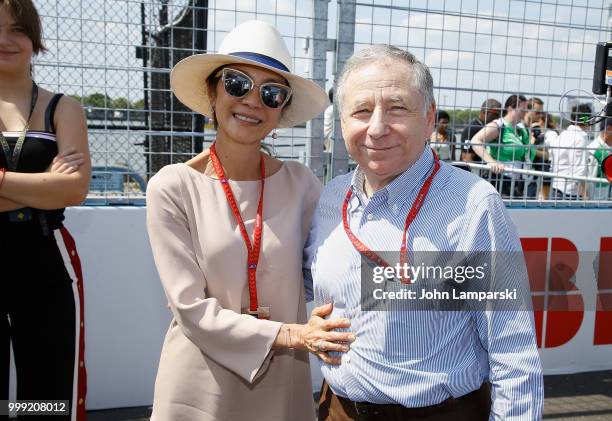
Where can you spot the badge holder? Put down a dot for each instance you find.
(262, 312)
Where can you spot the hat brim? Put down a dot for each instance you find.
(188, 82)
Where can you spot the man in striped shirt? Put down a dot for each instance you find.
(434, 365)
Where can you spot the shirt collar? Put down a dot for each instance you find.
(357, 185)
(398, 190)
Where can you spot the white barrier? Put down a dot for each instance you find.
(126, 315)
(126, 312)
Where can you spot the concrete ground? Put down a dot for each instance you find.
(568, 397)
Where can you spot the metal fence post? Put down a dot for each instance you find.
(345, 43)
(314, 146)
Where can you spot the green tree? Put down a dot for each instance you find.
(98, 100)
(138, 105)
(120, 103)
(460, 117)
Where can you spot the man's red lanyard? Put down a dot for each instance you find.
(414, 211)
(253, 251)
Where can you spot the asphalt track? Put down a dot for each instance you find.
(568, 397)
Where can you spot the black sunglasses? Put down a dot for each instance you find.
(238, 84)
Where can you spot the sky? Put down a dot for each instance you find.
(474, 48)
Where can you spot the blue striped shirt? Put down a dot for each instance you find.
(421, 358)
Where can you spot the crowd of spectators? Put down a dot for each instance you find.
(521, 135)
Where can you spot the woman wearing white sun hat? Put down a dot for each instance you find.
(228, 255)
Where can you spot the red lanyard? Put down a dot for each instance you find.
(253, 251)
(414, 211)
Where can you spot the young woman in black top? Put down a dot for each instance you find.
(44, 167)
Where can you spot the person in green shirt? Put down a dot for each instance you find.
(599, 149)
(504, 144)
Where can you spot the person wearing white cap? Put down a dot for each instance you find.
(229, 255)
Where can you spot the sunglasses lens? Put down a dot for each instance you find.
(274, 96)
(235, 84)
(238, 85)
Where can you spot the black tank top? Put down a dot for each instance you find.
(37, 153)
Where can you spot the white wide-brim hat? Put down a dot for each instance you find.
(256, 43)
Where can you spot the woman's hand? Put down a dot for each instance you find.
(67, 162)
(496, 167)
(317, 336)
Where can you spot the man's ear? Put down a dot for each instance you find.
(431, 117)
(342, 118)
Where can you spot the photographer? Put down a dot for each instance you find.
(543, 133)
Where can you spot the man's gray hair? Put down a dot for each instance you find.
(421, 77)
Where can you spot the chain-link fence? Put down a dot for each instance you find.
(116, 55)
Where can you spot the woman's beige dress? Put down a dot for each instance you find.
(216, 363)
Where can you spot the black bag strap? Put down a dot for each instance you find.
(50, 113)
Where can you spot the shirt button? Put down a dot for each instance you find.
(394, 208)
(370, 216)
(347, 358)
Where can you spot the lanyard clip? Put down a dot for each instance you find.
(262, 312)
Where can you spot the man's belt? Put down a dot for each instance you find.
(375, 411)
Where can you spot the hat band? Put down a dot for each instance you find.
(263, 59)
